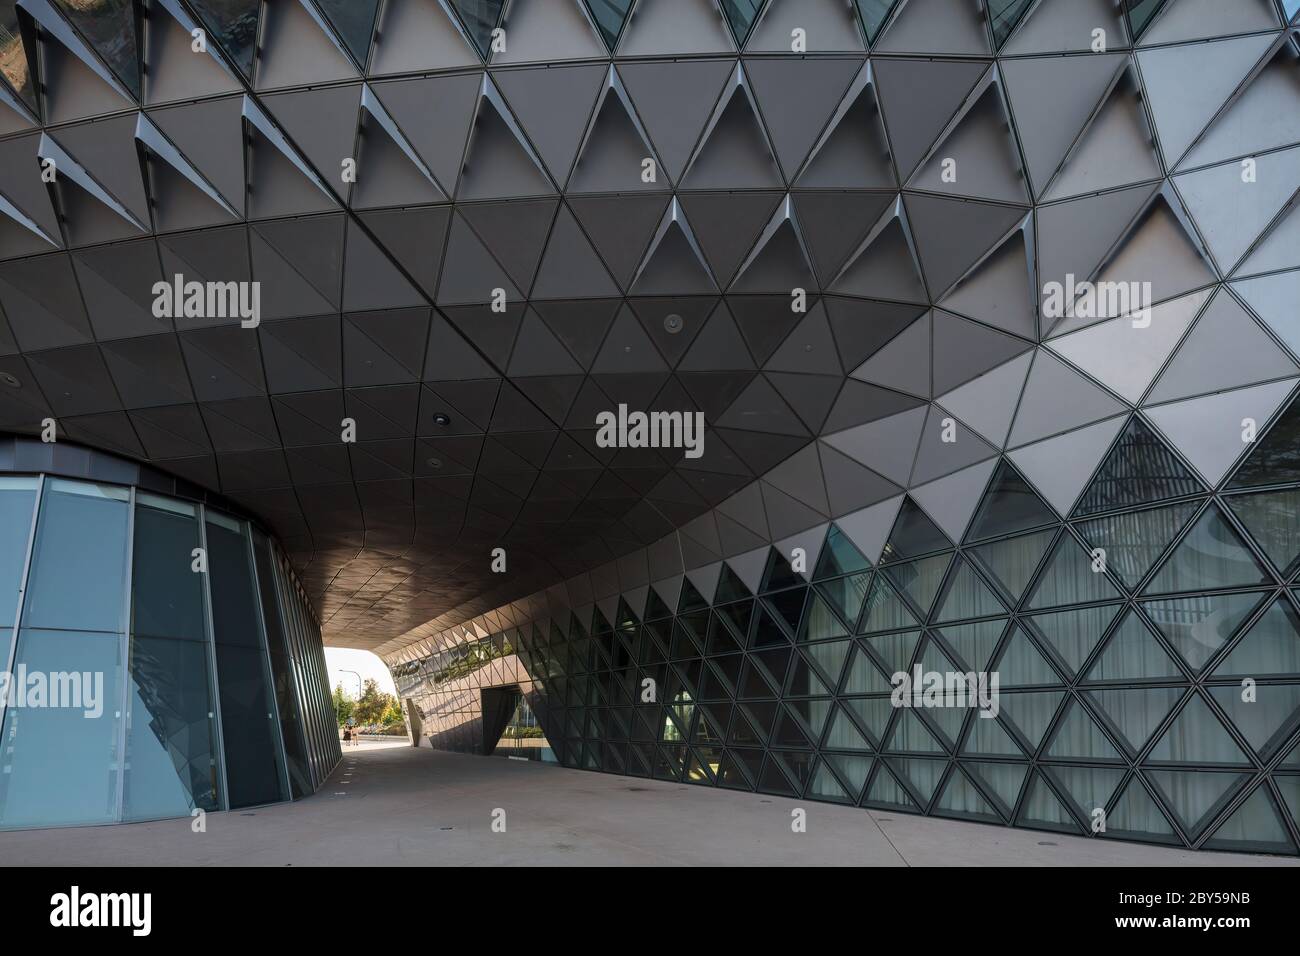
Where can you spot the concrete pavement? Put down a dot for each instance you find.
(392, 804)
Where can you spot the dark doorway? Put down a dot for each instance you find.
(511, 728)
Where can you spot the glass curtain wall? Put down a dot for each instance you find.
(1146, 648)
(160, 659)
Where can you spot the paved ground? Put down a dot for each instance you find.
(392, 804)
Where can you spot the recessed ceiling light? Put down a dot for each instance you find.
(10, 380)
(434, 462)
(673, 323)
(442, 419)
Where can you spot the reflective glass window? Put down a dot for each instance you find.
(60, 756)
(78, 575)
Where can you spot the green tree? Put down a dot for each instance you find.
(344, 706)
(393, 715)
(373, 703)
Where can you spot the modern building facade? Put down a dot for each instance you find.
(964, 333)
(163, 658)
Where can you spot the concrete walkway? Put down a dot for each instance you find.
(391, 804)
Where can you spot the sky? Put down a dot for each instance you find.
(343, 659)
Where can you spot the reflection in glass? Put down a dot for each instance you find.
(17, 495)
(166, 591)
(171, 738)
(78, 575)
(253, 772)
(59, 764)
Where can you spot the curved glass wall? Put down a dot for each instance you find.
(158, 658)
(1146, 649)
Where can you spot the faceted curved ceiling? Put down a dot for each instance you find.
(835, 230)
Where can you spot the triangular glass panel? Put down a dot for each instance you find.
(1254, 827)
(873, 715)
(691, 599)
(967, 596)
(846, 595)
(1141, 13)
(773, 779)
(844, 734)
(924, 775)
(864, 677)
(743, 731)
(1139, 470)
(788, 606)
(720, 639)
(1133, 654)
(732, 773)
(886, 791)
(1072, 635)
(797, 766)
(767, 632)
(480, 18)
(730, 587)
(974, 643)
(1004, 780)
(234, 25)
(839, 556)
(1198, 625)
(811, 716)
(1043, 809)
(1089, 789)
(820, 623)
(775, 663)
(1270, 647)
(851, 769)
(1078, 737)
(913, 535)
(740, 16)
(1196, 797)
(702, 766)
(354, 21)
(804, 681)
(1004, 15)
(789, 733)
(754, 681)
(735, 618)
(1010, 505)
(828, 657)
(910, 735)
(826, 786)
(895, 650)
(1275, 459)
(655, 608)
(885, 610)
(670, 762)
(609, 16)
(960, 798)
(1133, 540)
(1197, 737)
(1012, 562)
(874, 13)
(1136, 817)
(1266, 715)
(712, 684)
(919, 581)
(1273, 520)
(1030, 714)
(1071, 577)
(778, 574)
(1135, 712)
